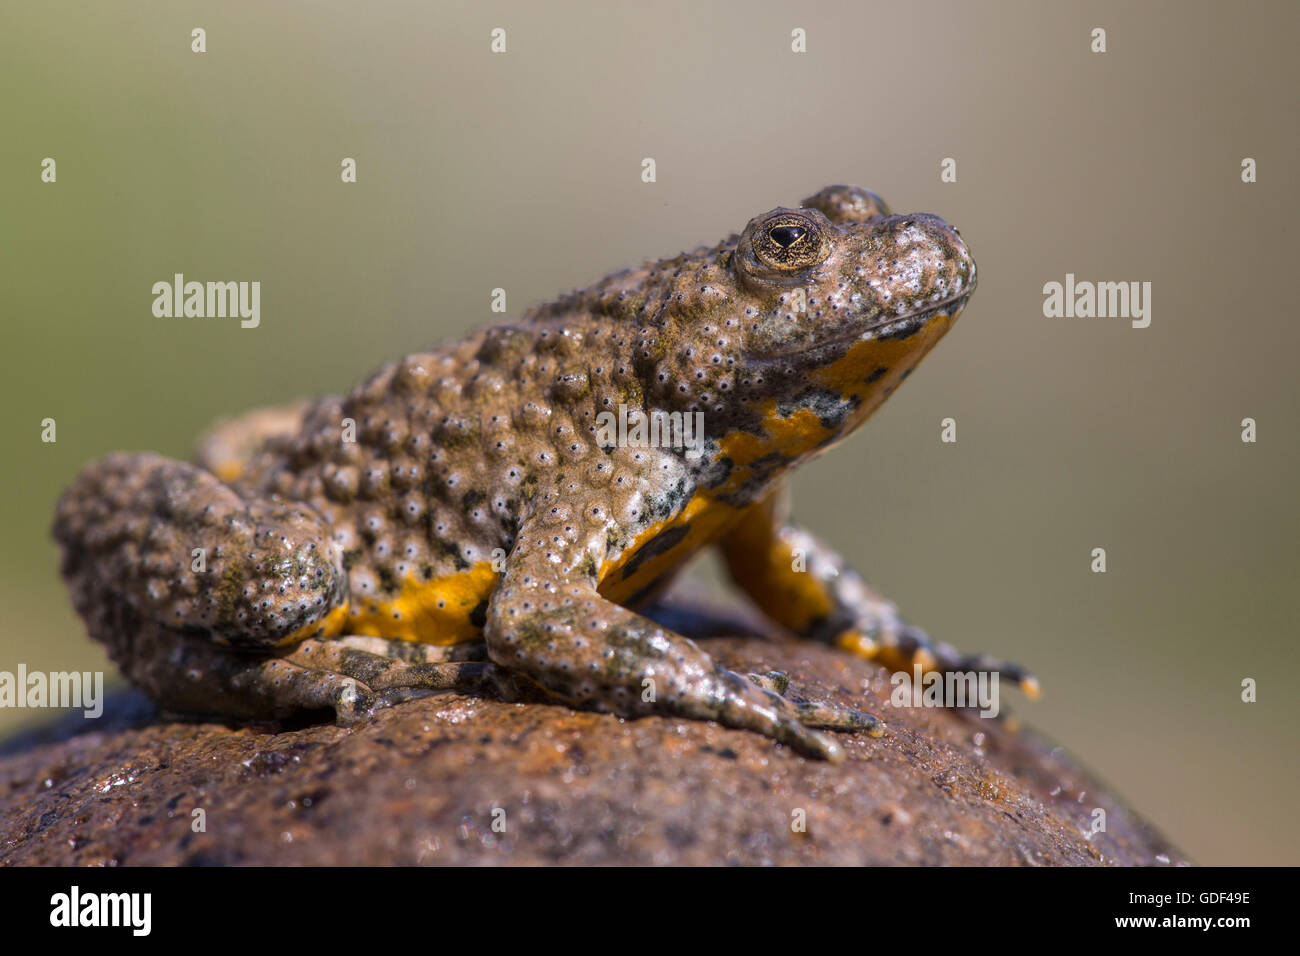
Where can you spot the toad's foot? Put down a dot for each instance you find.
(906, 648)
(347, 678)
(356, 676)
(820, 713)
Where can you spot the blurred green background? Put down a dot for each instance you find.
(522, 171)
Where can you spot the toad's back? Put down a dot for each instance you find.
(444, 453)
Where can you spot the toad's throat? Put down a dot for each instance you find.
(897, 324)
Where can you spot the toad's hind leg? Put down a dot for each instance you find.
(229, 445)
(354, 677)
(162, 557)
(179, 549)
(377, 672)
(214, 601)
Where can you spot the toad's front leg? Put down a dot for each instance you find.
(547, 622)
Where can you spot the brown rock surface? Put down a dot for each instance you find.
(418, 784)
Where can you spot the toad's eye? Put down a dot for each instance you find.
(786, 236)
(790, 241)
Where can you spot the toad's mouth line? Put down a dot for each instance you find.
(951, 305)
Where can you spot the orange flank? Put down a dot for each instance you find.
(438, 611)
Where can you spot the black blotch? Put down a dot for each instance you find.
(829, 407)
(825, 629)
(478, 616)
(905, 330)
(672, 500)
(875, 376)
(664, 541)
(716, 472)
(644, 594)
(768, 465)
(453, 552)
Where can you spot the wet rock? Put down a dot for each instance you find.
(453, 779)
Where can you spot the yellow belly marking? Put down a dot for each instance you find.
(848, 376)
(430, 612)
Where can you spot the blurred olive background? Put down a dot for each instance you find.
(522, 171)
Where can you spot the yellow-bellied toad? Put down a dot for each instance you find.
(462, 518)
